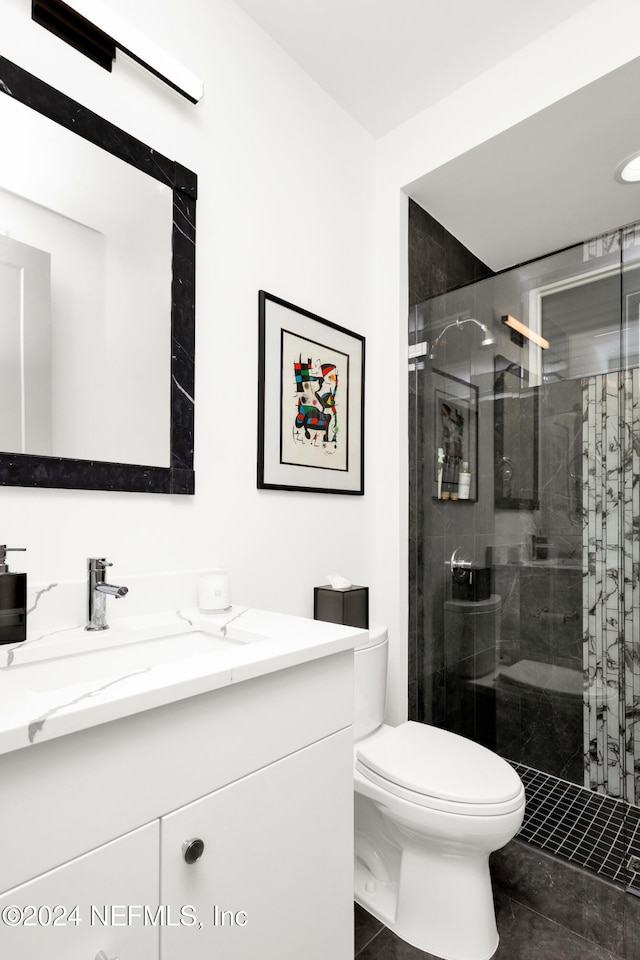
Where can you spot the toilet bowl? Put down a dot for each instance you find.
(430, 806)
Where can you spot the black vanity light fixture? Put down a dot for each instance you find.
(520, 330)
(95, 30)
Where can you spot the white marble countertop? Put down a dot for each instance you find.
(70, 679)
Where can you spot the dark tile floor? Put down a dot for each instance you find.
(583, 827)
(524, 935)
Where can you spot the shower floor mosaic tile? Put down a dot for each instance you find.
(583, 827)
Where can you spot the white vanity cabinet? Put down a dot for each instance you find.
(267, 883)
(260, 770)
(87, 905)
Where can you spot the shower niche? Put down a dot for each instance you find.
(515, 417)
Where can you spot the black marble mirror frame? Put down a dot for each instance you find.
(27, 470)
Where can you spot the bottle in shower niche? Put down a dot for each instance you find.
(13, 601)
(464, 481)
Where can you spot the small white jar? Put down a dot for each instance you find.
(213, 592)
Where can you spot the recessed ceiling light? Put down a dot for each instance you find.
(629, 170)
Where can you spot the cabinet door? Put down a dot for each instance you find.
(91, 904)
(275, 879)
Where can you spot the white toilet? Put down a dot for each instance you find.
(430, 807)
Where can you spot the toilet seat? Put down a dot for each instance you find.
(441, 770)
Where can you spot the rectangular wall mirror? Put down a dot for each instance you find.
(97, 308)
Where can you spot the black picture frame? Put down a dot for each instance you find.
(310, 401)
(31, 470)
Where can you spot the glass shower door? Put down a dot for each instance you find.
(556, 519)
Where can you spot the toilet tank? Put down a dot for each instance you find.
(370, 666)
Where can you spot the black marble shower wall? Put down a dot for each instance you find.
(439, 265)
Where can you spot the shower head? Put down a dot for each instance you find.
(487, 340)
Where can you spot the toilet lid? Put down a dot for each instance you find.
(437, 763)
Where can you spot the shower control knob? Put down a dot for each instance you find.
(192, 850)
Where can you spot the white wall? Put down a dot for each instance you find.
(285, 204)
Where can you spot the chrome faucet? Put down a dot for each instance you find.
(98, 591)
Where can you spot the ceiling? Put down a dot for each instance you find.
(385, 61)
(545, 183)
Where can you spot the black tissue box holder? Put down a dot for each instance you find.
(471, 583)
(349, 607)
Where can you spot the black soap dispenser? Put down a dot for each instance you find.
(13, 601)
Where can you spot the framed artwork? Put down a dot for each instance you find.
(310, 401)
(455, 432)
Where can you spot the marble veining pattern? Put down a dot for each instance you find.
(182, 390)
(611, 561)
(36, 726)
(14, 652)
(38, 595)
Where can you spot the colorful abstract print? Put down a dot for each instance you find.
(316, 388)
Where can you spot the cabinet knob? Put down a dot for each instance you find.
(192, 850)
(101, 955)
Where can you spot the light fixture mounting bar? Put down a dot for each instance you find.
(525, 331)
(67, 25)
(95, 30)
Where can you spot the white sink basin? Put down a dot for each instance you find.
(107, 664)
(99, 658)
